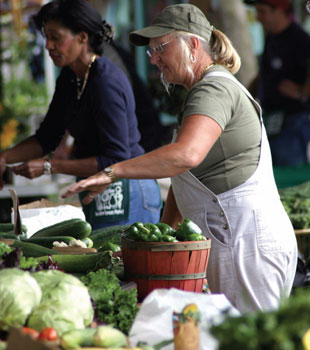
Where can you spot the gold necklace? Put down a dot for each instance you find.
(79, 92)
(203, 72)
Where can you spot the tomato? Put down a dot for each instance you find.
(48, 333)
(30, 331)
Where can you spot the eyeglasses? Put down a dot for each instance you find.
(157, 49)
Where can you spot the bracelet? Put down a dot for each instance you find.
(110, 172)
(47, 167)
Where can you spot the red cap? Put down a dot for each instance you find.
(282, 4)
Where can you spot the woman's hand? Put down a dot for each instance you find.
(290, 89)
(94, 184)
(30, 169)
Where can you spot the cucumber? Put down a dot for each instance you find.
(7, 226)
(77, 228)
(8, 235)
(81, 263)
(76, 338)
(32, 249)
(48, 241)
(107, 234)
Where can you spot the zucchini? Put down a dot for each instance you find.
(32, 249)
(48, 241)
(7, 226)
(77, 228)
(107, 234)
(81, 263)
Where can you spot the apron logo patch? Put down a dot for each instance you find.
(112, 205)
(110, 202)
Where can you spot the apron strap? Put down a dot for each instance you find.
(232, 78)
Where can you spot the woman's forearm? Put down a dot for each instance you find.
(76, 167)
(25, 150)
(196, 137)
(166, 161)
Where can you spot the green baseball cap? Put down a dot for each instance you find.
(184, 17)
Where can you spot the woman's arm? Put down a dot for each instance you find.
(27, 149)
(196, 137)
(77, 167)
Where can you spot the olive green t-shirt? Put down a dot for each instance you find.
(234, 156)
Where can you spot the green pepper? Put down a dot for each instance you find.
(109, 246)
(165, 229)
(187, 228)
(153, 238)
(168, 238)
(138, 224)
(154, 230)
(132, 232)
(195, 237)
(141, 232)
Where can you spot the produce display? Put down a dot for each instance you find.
(104, 336)
(75, 301)
(283, 329)
(35, 299)
(109, 299)
(161, 232)
(296, 201)
(49, 302)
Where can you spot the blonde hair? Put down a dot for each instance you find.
(219, 48)
(222, 51)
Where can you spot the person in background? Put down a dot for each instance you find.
(148, 118)
(219, 162)
(94, 102)
(283, 82)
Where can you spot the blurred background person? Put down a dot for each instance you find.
(282, 83)
(147, 113)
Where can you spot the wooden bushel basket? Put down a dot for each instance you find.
(152, 265)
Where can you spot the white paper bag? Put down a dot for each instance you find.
(40, 214)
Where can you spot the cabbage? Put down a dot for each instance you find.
(19, 295)
(65, 304)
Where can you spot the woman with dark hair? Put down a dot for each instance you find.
(94, 101)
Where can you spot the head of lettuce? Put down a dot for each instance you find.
(49, 298)
(65, 304)
(20, 293)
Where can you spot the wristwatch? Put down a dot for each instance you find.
(47, 167)
(110, 172)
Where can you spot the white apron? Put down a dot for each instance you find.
(253, 254)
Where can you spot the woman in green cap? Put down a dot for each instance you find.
(219, 163)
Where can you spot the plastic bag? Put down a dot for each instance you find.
(153, 322)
